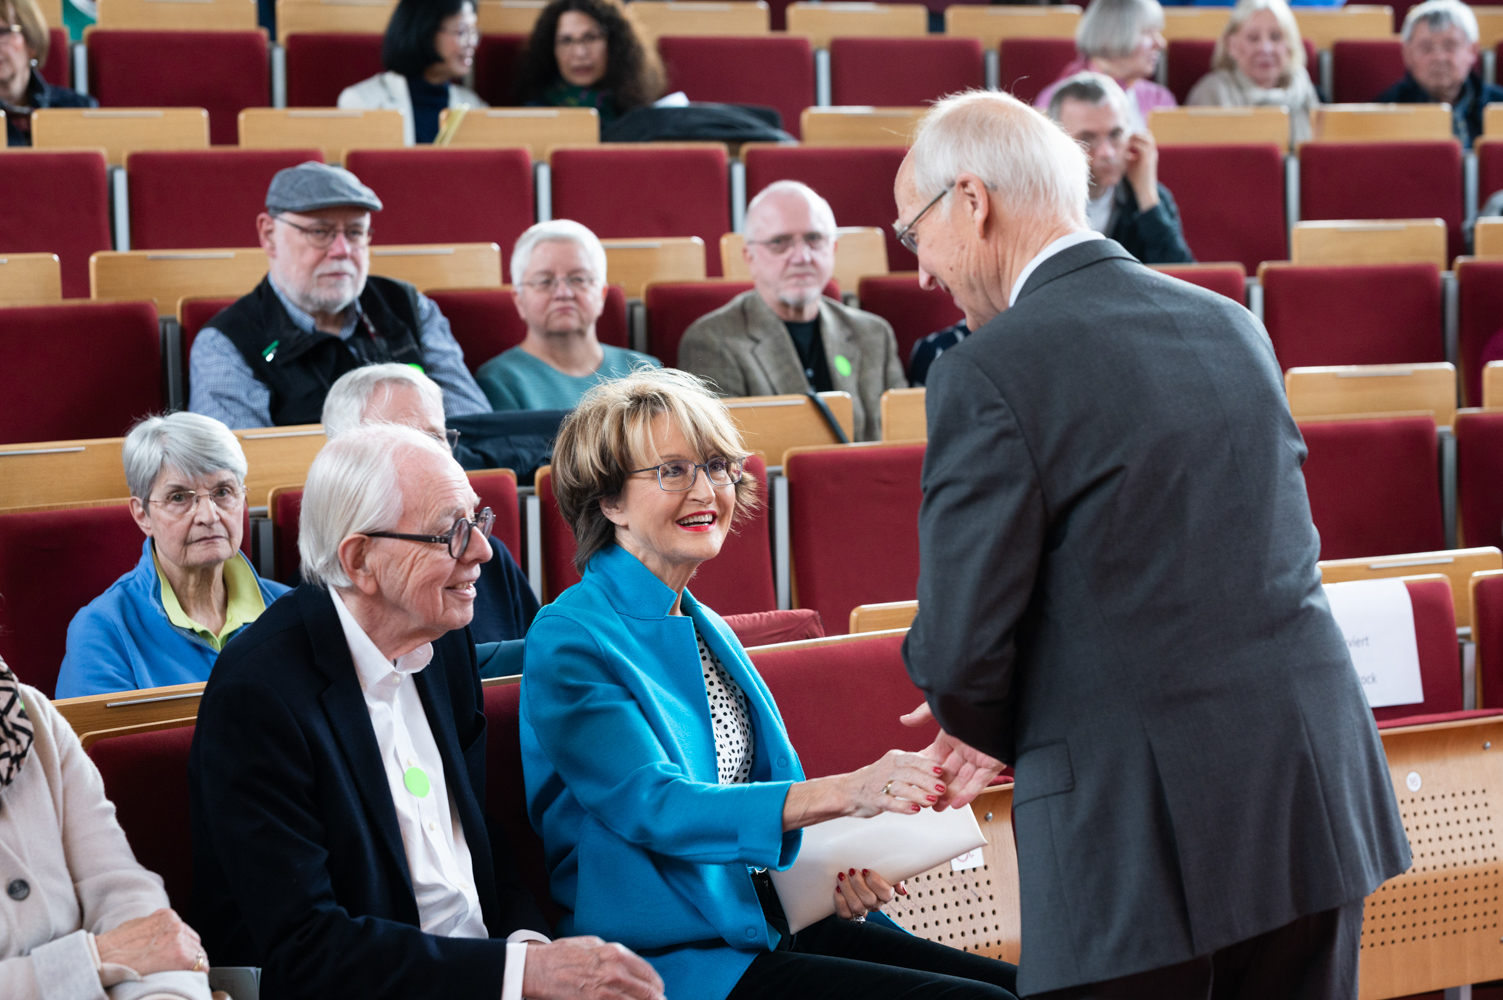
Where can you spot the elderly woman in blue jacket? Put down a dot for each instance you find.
(658, 769)
(165, 621)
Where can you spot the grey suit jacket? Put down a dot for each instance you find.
(1118, 593)
(745, 349)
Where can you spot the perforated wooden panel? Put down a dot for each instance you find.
(976, 909)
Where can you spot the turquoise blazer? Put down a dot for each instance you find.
(644, 846)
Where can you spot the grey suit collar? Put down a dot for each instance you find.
(1072, 259)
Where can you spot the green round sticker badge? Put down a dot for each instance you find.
(416, 781)
(843, 365)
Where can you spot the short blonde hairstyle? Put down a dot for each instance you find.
(1110, 29)
(33, 26)
(610, 433)
(1245, 9)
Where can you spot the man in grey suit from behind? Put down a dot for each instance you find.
(1118, 594)
(784, 336)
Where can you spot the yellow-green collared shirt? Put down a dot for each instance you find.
(243, 603)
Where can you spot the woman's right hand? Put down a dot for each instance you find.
(897, 782)
(160, 942)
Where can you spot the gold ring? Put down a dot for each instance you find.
(887, 788)
(198, 965)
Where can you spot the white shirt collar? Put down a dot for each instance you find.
(370, 666)
(1063, 243)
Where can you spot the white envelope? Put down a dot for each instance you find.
(894, 845)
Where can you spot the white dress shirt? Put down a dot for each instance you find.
(438, 857)
(1063, 243)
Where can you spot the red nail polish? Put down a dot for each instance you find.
(841, 876)
(865, 871)
(837, 889)
(853, 871)
(939, 788)
(915, 807)
(931, 798)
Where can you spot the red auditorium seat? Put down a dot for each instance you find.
(808, 679)
(1487, 633)
(1249, 228)
(485, 320)
(146, 777)
(182, 199)
(1382, 180)
(104, 370)
(1224, 279)
(738, 581)
(58, 69)
(1489, 168)
(149, 69)
(1374, 486)
(771, 70)
(1028, 65)
(1479, 474)
(486, 194)
(762, 628)
(862, 70)
(52, 563)
(56, 202)
(1440, 659)
(1480, 316)
(320, 65)
(1361, 69)
(1189, 59)
(674, 190)
(497, 61)
(856, 181)
(506, 794)
(1369, 314)
(286, 509)
(840, 499)
(195, 315)
(913, 312)
(673, 306)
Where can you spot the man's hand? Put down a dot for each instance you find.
(1143, 170)
(967, 770)
(588, 968)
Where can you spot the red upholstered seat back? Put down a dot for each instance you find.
(1374, 486)
(1363, 68)
(1440, 657)
(856, 180)
(448, 195)
(57, 202)
(914, 312)
(1249, 228)
(78, 370)
(58, 69)
(497, 60)
(1368, 314)
(771, 70)
(675, 191)
(1383, 180)
(181, 199)
(1028, 65)
(485, 321)
(286, 508)
(862, 70)
(1229, 279)
(1189, 59)
(760, 628)
(321, 65)
(672, 307)
(1479, 474)
(1481, 315)
(810, 682)
(506, 794)
(557, 541)
(196, 313)
(853, 525)
(52, 563)
(147, 69)
(1487, 633)
(146, 776)
(1489, 167)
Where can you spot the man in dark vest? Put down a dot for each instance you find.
(270, 358)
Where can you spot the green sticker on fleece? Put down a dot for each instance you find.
(416, 781)
(843, 365)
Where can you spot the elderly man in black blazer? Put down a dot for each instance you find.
(1118, 594)
(337, 775)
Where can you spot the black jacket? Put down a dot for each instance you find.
(298, 863)
(41, 94)
(1474, 96)
(1154, 236)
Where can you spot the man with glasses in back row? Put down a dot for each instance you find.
(270, 358)
(784, 336)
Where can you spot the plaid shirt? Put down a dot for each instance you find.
(224, 387)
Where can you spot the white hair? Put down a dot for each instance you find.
(561, 230)
(824, 215)
(191, 443)
(1029, 161)
(1438, 15)
(354, 391)
(353, 488)
(1094, 89)
(1110, 29)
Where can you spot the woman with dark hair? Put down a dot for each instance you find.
(429, 44)
(586, 54)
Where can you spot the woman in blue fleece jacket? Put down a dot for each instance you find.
(165, 621)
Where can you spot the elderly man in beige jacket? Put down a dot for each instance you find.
(784, 336)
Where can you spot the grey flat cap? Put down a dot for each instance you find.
(310, 186)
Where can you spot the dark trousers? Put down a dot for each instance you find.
(1313, 958)
(836, 959)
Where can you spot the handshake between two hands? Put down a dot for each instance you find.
(967, 771)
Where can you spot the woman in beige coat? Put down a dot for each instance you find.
(80, 919)
(1260, 61)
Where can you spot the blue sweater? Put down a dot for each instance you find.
(644, 845)
(122, 640)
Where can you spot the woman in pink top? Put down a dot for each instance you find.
(1123, 39)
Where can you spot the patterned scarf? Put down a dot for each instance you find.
(15, 727)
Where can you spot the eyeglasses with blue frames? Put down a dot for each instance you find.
(905, 233)
(675, 477)
(456, 539)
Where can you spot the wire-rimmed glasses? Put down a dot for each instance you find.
(675, 477)
(456, 539)
(322, 236)
(180, 502)
(905, 233)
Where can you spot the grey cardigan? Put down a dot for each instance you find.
(744, 348)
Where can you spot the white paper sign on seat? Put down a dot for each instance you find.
(1377, 619)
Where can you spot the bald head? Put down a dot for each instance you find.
(790, 248)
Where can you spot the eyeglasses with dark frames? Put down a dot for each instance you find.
(456, 539)
(322, 236)
(675, 477)
(905, 233)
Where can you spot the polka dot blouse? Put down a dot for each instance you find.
(730, 718)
